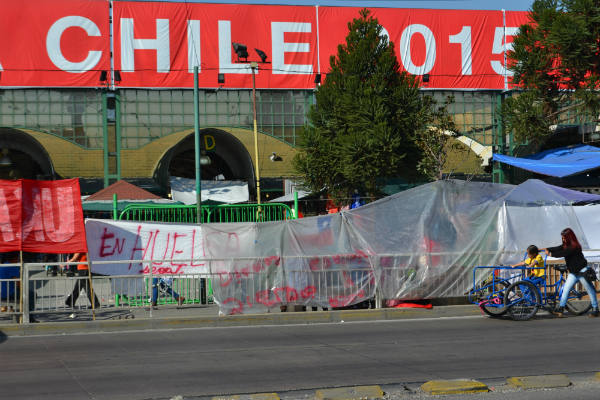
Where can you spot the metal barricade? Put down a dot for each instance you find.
(217, 213)
(10, 291)
(381, 277)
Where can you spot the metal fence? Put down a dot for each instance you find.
(49, 294)
(217, 213)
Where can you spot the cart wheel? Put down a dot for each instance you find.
(496, 298)
(579, 305)
(522, 300)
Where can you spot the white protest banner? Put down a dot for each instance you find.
(125, 240)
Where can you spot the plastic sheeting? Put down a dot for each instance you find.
(422, 243)
(561, 162)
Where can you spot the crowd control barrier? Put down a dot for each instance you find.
(237, 291)
(217, 213)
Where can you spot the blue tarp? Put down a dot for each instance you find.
(561, 162)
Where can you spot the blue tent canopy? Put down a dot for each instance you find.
(561, 162)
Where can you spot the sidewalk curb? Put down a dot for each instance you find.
(296, 318)
(350, 393)
(539, 382)
(453, 387)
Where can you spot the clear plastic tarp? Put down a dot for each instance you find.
(422, 243)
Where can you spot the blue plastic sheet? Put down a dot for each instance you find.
(565, 161)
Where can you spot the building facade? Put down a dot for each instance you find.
(104, 99)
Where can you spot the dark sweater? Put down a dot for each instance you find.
(574, 258)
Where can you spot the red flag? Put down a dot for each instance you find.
(41, 216)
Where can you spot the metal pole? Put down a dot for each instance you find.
(197, 148)
(23, 299)
(151, 289)
(89, 265)
(296, 216)
(115, 207)
(254, 66)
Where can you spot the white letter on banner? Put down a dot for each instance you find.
(464, 39)
(429, 49)
(33, 211)
(226, 66)
(66, 212)
(280, 47)
(5, 225)
(499, 46)
(193, 37)
(53, 44)
(160, 44)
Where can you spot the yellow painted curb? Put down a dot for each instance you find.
(597, 376)
(453, 387)
(350, 393)
(258, 396)
(538, 382)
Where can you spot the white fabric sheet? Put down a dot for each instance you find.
(228, 192)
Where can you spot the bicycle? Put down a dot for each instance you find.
(522, 299)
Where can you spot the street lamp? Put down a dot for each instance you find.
(242, 52)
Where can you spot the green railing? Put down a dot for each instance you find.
(219, 213)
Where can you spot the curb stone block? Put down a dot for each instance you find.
(258, 396)
(538, 382)
(597, 376)
(453, 387)
(350, 393)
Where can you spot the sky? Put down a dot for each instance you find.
(512, 5)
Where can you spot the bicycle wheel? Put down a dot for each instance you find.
(496, 298)
(522, 300)
(578, 304)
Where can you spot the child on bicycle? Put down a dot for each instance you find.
(534, 260)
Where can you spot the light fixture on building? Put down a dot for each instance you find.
(221, 78)
(317, 79)
(262, 55)
(241, 50)
(426, 78)
(273, 157)
(105, 81)
(5, 160)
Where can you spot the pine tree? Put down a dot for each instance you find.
(366, 119)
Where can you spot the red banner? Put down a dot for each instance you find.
(66, 43)
(41, 216)
(158, 44)
(456, 48)
(53, 43)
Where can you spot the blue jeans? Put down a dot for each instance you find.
(163, 286)
(571, 281)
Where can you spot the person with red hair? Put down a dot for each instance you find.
(577, 265)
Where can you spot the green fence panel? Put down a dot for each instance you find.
(219, 213)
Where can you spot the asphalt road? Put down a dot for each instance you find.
(202, 362)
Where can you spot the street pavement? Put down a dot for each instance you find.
(296, 359)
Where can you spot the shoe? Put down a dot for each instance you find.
(594, 313)
(33, 320)
(152, 307)
(180, 301)
(559, 311)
